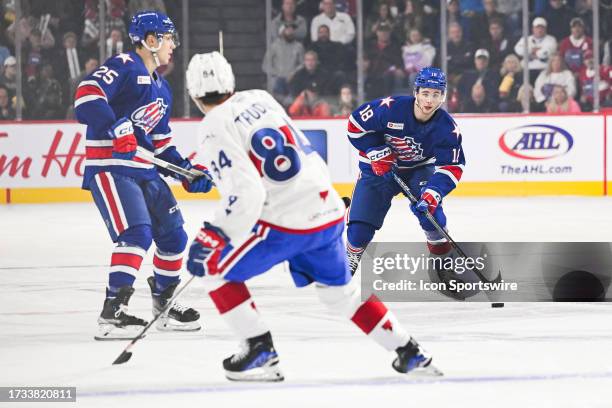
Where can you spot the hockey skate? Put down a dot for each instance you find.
(412, 359)
(178, 317)
(257, 361)
(114, 322)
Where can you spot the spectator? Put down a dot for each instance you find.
(470, 8)
(482, 74)
(90, 65)
(333, 56)
(6, 109)
(34, 56)
(555, 74)
(282, 59)
(511, 81)
(411, 17)
(586, 78)
(26, 25)
(288, 16)
(481, 22)
(141, 5)
(67, 63)
(540, 46)
(114, 42)
(497, 43)
(8, 79)
(91, 30)
(340, 24)
(584, 10)
(454, 15)
(478, 102)
(309, 103)
(417, 53)
(459, 52)
(573, 47)
(607, 54)
(346, 102)
(559, 15)
(533, 105)
(382, 17)
(383, 64)
(561, 102)
(309, 73)
(512, 9)
(48, 102)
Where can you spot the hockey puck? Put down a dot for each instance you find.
(497, 304)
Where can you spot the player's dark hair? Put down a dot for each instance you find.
(139, 45)
(214, 98)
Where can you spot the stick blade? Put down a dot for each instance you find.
(123, 358)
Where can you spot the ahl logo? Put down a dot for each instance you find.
(148, 116)
(536, 142)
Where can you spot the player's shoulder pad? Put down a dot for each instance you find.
(368, 117)
(446, 127)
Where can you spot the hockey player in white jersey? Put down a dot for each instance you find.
(277, 204)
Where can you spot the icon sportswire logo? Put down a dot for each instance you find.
(536, 142)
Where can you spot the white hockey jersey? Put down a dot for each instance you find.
(264, 169)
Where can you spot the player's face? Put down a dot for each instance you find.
(167, 48)
(429, 100)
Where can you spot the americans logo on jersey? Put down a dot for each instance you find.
(405, 147)
(148, 116)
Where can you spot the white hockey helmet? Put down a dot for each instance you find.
(209, 73)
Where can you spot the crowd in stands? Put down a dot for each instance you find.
(312, 57)
(60, 46)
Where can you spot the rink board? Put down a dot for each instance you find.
(508, 155)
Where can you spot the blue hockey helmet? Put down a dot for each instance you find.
(151, 22)
(431, 77)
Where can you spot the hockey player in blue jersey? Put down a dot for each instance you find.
(418, 139)
(126, 104)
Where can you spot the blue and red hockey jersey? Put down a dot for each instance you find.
(390, 121)
(122, 87)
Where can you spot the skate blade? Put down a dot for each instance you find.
(268, 373)
(429, 371)
(108, 332)
(169, 325)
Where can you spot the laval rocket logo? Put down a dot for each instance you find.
(148, 116)
(536, 142)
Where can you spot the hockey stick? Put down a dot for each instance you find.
(190, 175)
(441, 230)
(126, 354)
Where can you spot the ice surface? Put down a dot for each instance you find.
(52, 275)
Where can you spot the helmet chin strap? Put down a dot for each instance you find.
(154, 50)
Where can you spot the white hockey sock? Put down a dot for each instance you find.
(371, 316)
(234, 303)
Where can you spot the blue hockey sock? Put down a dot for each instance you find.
(162, 281)
(116, 280)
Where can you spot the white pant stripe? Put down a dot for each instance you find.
(118, 201)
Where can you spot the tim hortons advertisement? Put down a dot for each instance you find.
(53, 154)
